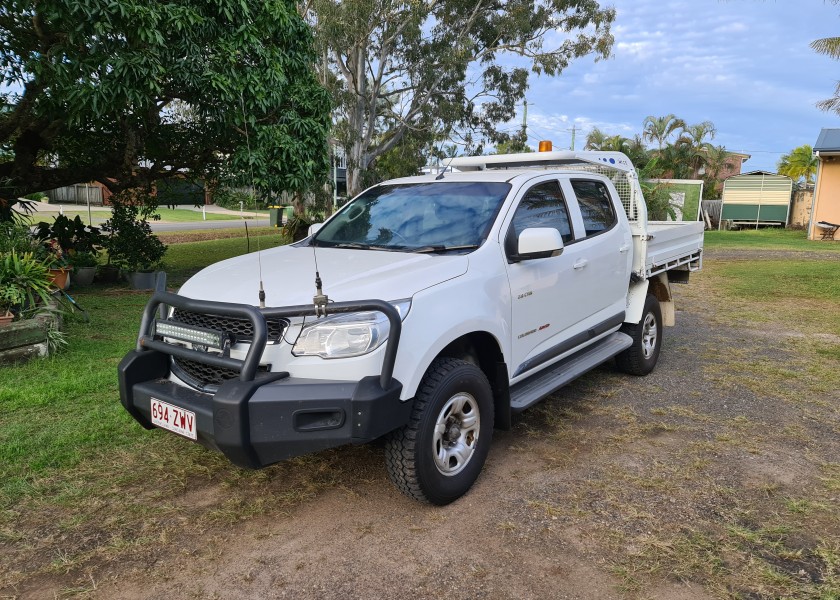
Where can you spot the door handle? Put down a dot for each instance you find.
(624, 248)
(581, 263)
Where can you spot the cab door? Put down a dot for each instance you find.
(549, 303)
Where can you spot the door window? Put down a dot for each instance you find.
(542, 206)
(596, 206)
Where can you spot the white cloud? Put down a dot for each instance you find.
(731, 28)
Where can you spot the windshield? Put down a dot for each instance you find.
(417, 217)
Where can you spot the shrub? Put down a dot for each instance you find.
(130, 243)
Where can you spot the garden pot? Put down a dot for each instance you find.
(60, 278)
(108, 274)
(84, 275)
(142, 280)
(6, 319)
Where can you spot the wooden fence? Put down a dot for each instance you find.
(82, 193)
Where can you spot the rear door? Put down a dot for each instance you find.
(604, 245)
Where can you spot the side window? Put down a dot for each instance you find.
(596, 206)
(542, 206)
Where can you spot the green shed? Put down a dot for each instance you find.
(756, 198)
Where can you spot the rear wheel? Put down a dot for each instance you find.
(439, 454)
(641, 357)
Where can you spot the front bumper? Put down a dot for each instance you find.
(261, 418)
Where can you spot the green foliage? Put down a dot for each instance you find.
(658, 200)
(37, 197)
(72, 235)
(513, 144)
(661, 129)
(829, 47)
(14, 209)
(83, 259)
(426, 67)
(16, 236)
(230, 198)
(130, 243)
(24, 283)
(127, 92)
(800, 165)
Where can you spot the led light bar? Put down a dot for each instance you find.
(184, 333)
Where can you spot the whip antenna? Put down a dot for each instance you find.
(319, 300)
(261, 294)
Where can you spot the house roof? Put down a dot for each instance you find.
(755, 173)
(828, 142)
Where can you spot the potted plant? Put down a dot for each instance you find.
(24, 284)
(84, 265)
(53, 257)
(131, 244)
(63, 240)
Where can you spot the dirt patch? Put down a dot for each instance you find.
(717, 476)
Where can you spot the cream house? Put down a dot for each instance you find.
(826, 205)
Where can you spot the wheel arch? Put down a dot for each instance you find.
(483, 349)
(658, 286)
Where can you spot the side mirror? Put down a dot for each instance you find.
(313, 229)
(538, 242)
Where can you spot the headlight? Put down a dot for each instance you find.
(343, 336)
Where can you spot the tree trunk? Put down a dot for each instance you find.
(299, 204)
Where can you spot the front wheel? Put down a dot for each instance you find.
(439, 454)
(641, 357)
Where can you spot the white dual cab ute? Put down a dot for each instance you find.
(443, 304)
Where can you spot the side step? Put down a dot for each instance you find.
(538, 386)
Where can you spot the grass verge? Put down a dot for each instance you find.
(767, 239)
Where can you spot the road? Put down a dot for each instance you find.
(237, 223)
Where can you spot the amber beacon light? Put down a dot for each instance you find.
(545, 146)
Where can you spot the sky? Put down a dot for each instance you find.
(744, 65)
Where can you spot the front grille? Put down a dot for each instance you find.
(241, 329)
(204, 377)
(208, 377)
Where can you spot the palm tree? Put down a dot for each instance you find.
(595, 139)
(659, 129)
(799, 164)
(830, 47)
(676, 159)
(696, 139)
(636, 151)
(715, 161)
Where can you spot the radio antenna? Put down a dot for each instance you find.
(261, 293)
(320, 300)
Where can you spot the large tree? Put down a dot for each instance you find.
(800, 164)
(457, 66)
(129, 91)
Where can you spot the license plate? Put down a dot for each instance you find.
(173, 418)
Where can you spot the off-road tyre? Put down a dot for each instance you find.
(641, 357)
(414, 451)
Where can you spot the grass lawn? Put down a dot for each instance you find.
(82, 484)
(184, 259)
(768, 239)
(167, 215)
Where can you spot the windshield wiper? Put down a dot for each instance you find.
(352, 245)
(440, 249)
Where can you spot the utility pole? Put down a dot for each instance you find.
(525, 120)
(574, 130)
